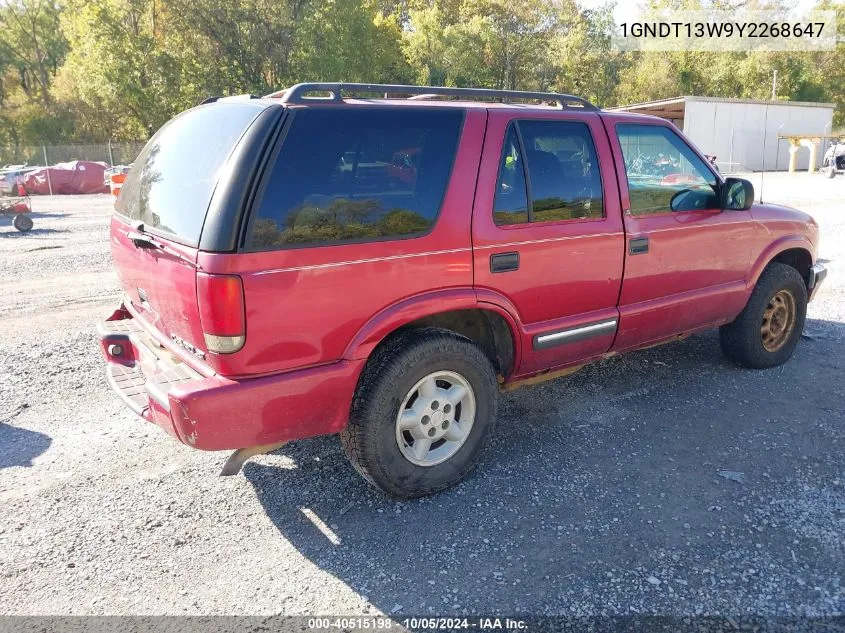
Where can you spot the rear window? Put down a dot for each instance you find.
(357, 174)
(171, 182)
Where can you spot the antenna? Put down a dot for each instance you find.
(763, 172)
(777, 150)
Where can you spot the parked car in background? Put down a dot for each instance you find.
(291, 268)
(13, 175)
(834, 159)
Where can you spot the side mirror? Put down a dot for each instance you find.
(737, 194)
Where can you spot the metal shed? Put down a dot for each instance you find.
(743, 133)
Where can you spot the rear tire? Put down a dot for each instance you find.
(22, 223)
(767, 330)
(423, 412)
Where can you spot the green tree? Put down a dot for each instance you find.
(424, 45)
(119, 67)
(233, 47)
(90, 70)
(32, 43)
(349, 40)
(580, 59)
(31, 47)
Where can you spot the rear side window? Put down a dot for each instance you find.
(357, 174)
(171, 182)
(564, 182)
(511, 203)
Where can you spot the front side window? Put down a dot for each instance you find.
(563, 178)
(349, 175)
(664, 174)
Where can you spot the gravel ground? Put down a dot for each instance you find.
(601, 493)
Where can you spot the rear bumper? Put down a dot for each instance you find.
(217, 413)
(818, 273)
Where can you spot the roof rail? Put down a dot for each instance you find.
(297, 93)
(215, 98)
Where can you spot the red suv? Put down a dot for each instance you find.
(312, 263)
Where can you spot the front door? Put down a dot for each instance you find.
(685, 258)
(547, 233)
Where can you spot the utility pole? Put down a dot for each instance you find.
(775, 86)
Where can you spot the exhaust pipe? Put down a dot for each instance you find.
(236, 460)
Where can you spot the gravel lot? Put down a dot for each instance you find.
(600, 494)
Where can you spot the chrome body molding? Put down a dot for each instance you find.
(572, 335)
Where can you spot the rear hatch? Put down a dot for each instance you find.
(163, 219)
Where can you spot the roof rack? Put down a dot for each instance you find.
(298, 94)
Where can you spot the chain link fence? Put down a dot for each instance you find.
(112, 153)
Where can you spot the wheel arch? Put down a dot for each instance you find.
(492, 327)
(793, 250)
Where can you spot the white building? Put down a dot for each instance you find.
(743, 133)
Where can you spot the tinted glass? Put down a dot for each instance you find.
(563, 170)
(171, 182)
(511, 203)
(356, 174)
(664, 174)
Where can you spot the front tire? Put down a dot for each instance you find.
(423, 412)
(767, 330)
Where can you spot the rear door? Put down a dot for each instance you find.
(355, 215)
(686, 259)
(162, 208)
(547, 232)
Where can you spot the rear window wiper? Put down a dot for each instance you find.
(142, 240)
(147, 241)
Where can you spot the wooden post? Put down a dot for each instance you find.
(811, 144)
(793, 152)
(47, 167)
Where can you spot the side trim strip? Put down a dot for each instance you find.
(360, 261)
(561, 238)
(572, 335)
(429, 253)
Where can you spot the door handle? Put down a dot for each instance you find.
(638, 245)
(504, 262)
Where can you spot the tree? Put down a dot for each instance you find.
(31, 47)
(580, 59)
(31, 42)
(829, 67)
(424, 45)
(233, 47)
(490, 43)
(92, 70)
(515, 36)
(118, 66)
(349, 40)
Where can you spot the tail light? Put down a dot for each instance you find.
(222, 312)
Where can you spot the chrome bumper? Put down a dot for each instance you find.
(818, 272)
